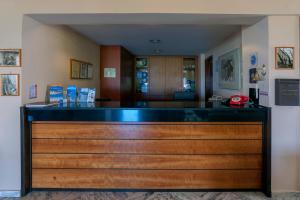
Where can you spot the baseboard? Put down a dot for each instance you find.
(10, 193)
(285, 191)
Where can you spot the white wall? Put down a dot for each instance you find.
(255, 39)
(233, 42)
(10, 37)
(46, 57)
(262, 38)
(284, 31)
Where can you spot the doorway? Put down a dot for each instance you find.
(208, 77)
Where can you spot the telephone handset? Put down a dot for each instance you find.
(238, 100)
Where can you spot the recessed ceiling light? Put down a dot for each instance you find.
(157, 51)
(155, 41)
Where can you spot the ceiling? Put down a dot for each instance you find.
(180, 34)
(175, 39)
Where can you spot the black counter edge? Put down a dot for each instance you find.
(25, 153)
(267, 187)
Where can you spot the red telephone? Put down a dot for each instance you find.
(238, 100)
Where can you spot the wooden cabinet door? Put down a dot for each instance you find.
(173, 76)
(157, 76)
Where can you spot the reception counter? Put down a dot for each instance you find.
(182, 146)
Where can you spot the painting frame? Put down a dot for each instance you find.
(253, 76)
(253, 58)
(230, 70)
(80, 69)
(18, 62)
(283, 66)
(17, 85)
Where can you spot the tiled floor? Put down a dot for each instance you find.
(154, 196)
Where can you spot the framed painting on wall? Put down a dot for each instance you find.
(9, 84)
(253, 59)
(81, 69)
(10, 57)
(284, 57)
(230, 70)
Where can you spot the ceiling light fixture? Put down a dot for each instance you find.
(157, 51)
(155, 41)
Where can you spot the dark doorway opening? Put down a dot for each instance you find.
(208, 77)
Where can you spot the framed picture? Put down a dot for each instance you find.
(230, 70)
(90, 71)
(284, 57)
(110, 72)
(253, 59)
(33, 91)
(253, 77)
(10, 57)
(81, 69)
(9, 84)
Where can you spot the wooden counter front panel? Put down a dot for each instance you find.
(147, 131)
(147, 155)
(146, 179)
(123, 161)
(157, 147)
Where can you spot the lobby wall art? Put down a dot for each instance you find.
(10, 57)
(284, 57)
(230, 70)
(9, 85)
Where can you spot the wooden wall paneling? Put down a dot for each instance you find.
(157, 76)
(146, 179)
(173, 76)
(110, 56)
(127, 75)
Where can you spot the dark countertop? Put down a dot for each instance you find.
(161, 105)
(150, 111)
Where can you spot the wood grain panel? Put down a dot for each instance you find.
(118, 161)
(173, 76)
(110, 57)
(157, 76)
(147, 146)
(146, 179)
(144, 131)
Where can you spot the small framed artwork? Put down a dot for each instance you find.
(9, 84)
(284, 57)
(253, 59)
(81, 69)
(33, 91)
(10, 57)
(253, 75)
(110, 72)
